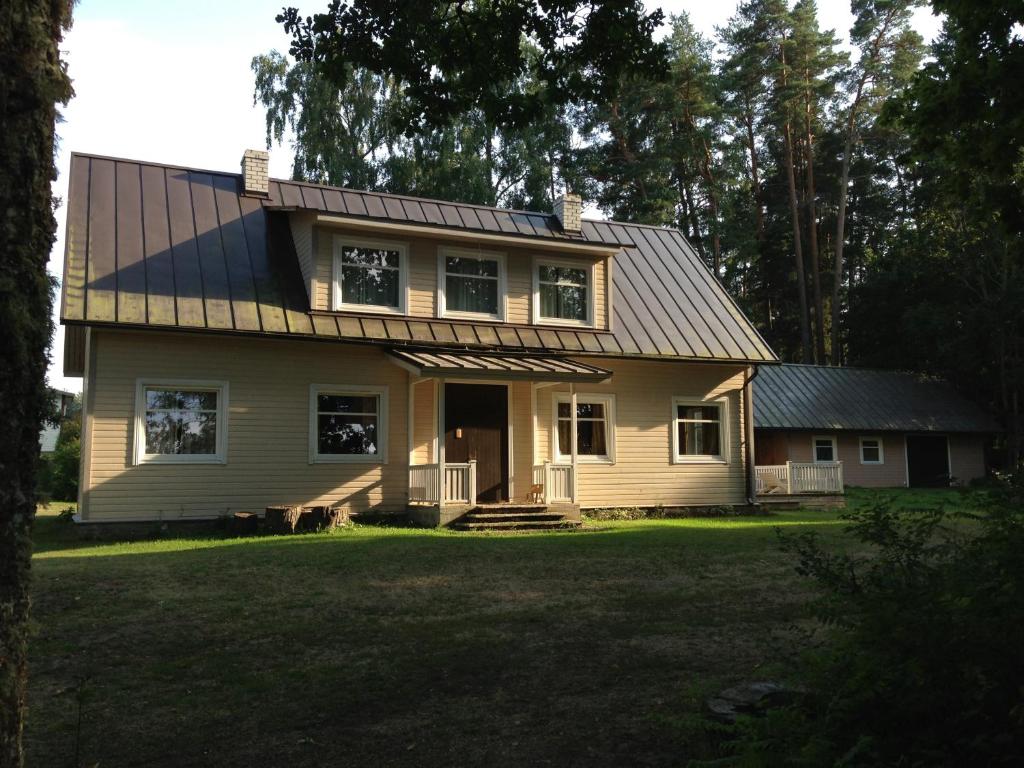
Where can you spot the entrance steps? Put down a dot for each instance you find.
(517, 517)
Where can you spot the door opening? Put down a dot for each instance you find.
(476, 427)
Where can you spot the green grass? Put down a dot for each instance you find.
(382, 646)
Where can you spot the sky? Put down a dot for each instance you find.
(171, 82)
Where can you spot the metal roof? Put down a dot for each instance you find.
(169, 247)
(824, 397)
(446, 363)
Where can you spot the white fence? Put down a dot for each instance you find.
(459, 483)
(557, 482)
(800, 477)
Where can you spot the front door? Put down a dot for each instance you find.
(476, 427)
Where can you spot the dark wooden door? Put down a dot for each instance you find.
(476, 427)
(770, 448)
(927, 461)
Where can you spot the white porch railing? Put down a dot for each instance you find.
(800, 477)
(459, 484)
(557, 481)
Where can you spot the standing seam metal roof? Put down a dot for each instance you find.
(830, 398)
(158, 245)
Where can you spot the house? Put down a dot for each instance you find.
(50, 433)
(869, 428)
(247, 342)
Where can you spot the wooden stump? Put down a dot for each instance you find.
(322, 518)
(281, 519)
(245, 523)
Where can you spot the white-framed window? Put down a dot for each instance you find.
(181, 422)
(700, 430)
(823, 449)
(595, 428)
(348, 424)
(563, 292)
(871, 450)
(471, 283)
(370, 275)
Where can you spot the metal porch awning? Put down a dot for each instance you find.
(492, 366)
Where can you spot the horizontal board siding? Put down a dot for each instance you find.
(423, 275)
(268, 440)
(967, 457)
(643, 474)
(305, 249)
(424, 407)
(890, 474)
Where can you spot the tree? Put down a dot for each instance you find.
(889, 53)
(453, 58)
(33, 81)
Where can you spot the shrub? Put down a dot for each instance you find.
(924, 658)
(58, 478)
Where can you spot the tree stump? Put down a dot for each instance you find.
(245, 523)
(281, 519)
(322, 518)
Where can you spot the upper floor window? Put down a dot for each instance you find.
(370, 275)
(180, 422)
(471, 284)
(563, 292)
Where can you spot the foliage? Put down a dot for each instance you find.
(32, 81)
(455, 58)
(922, 662)
(58, 477)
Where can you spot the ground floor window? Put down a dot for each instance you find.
(595, 428)
(180, 422)
(871, 450)
(698, 430)
(348, 423)
(824, 450)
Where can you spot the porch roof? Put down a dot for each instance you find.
(436, 363)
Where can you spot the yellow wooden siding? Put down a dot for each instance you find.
(304, 237)
(643, 473)
(424, 410)
(423, 277)
(268, 437)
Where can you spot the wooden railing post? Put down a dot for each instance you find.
(548, 480)
(472, 481)
(789, 478)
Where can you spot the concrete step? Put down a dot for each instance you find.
(513, 517)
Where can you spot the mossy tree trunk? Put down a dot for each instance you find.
(32, 82)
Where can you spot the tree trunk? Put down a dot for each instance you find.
(798, 251)
(32, 80)
(837, 278)
(812, 239)
(755, 181)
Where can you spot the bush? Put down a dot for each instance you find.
(924, 661)
(58, 476)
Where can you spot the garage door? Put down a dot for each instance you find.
(927, 461)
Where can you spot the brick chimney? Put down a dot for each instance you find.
(569, 210)
(255, 169)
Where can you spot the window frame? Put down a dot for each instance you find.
(881, 450)
(366, 390)
(339, 242)
(606, 399)
(443, 252)
(547, 261)
(723, 426)
(814, 449)
(220, 456)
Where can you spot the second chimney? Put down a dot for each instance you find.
(255, 173)
(569, 210)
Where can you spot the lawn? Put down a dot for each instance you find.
(383, 646)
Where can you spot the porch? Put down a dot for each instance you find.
(798, 477)
(474, 431)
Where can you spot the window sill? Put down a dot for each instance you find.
(159, 458)
(347, 459)
(564, 461)
(369, 308)
(557, 323)
(684, 460)
(477, 316)
(873, 463)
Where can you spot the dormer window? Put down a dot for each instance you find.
(471, 284)
(370, 275)
(563, 292)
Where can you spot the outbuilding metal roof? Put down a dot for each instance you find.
(442, 363)
(163, 246)
(823, 397)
